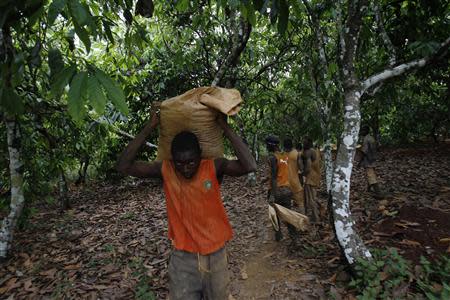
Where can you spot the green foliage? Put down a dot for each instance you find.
(382, 276)
(77, 63)
(389, 276)
(76, 96)
(142, 290)
(434, 278)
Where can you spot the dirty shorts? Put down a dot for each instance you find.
(196, 276)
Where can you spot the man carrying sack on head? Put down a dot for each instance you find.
(198, 223)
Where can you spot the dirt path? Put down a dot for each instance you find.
(269, 271)
(273, 270)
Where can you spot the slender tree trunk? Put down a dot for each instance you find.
(17, 198)
(63, 189)
(348, 238)
(255, 147)
(328, 163)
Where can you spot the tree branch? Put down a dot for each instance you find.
(400, 69)
(239, 41)
(125, 134)
(386, 40)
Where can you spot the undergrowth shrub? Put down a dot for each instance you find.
(390, 276)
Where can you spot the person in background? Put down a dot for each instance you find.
(299, 148)
(310, 169)
(294, 181)
(198, 223)
(368, 151)
(279, 189)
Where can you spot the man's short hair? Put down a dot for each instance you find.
(365, 128)
(185, 141)
(287, 143)
(307, 143)
(272, 140)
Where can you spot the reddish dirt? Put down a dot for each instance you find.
(417, 231)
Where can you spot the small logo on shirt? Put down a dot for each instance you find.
(207, 184)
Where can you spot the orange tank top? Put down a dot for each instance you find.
(198, 222)
(282, 169)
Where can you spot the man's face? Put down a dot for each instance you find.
(306, 144)
(364, 131)
(186, 163)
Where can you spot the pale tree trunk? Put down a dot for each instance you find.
(351, 244)
(17, 198)
(349, 240)
(328, 160)
(255, 147)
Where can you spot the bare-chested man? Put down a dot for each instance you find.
(310, 168)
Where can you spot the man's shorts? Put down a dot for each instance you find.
(193, 276)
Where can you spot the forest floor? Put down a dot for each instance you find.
(113, 242)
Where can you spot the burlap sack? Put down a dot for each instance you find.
(294, 218)
(196, 111)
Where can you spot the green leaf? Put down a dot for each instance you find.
(83, 35)
(108, 31)
(95, 95)
(53, 11)
(75, 98)
(283, 17)
(17, 69)
(55, 62)
(182, 5)
(79, 12)
(10, 102)
(62, 79)
(251, 16)
(114, 92)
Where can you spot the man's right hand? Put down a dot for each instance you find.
(154, 113)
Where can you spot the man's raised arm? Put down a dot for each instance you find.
(127, 163)
(245, 162)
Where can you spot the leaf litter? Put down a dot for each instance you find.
(114, 240)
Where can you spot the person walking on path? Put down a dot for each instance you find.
(294, 181)
(310, 169)
(279, 190)
(198, 224)
(368, 151)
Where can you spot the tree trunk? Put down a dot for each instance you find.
(348, 238)
(328, 159)
(63, 189)
(255, 148)
(17, 198)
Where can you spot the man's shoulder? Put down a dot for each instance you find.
(369, 139)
